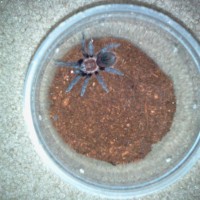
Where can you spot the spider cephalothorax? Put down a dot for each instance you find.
(92, 63)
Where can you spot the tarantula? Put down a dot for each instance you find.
(92, 63)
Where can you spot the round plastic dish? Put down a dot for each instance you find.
(174, 50)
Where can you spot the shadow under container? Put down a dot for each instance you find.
(177, 54)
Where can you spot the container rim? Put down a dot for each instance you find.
(157, 184)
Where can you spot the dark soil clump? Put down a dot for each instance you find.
(120, 126)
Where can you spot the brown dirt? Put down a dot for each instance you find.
(120, 126)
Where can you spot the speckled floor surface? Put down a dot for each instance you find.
(23, 24)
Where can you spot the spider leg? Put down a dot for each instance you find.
(109, 47)
(85, 83)
(77, 71)
(113, 71)
(73, 83)
(83, 46)
(90, 48)
(74, 65)
(102, 83)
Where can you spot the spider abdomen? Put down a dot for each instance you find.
(106, 59)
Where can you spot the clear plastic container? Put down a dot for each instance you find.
(177, 54)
